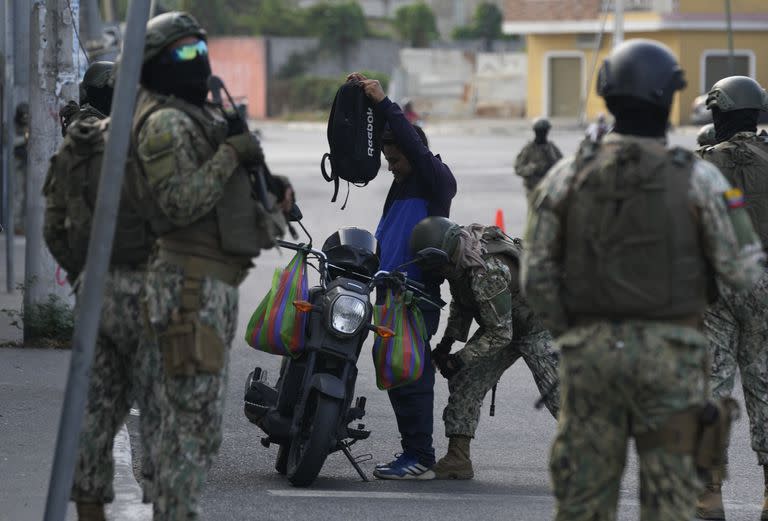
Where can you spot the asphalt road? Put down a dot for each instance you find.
(511, 450)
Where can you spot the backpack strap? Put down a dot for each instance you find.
(762, 154)
(332, 177)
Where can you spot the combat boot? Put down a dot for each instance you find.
(710, 503)
(90, 512)
(456, 464)
(764, 516)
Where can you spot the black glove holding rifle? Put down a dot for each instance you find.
(249, 150)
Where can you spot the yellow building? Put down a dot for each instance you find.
(566, 44)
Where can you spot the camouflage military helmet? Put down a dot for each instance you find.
(432, 232)
(706, 136)
(641, 69)
(98, 74)
(736, 93)
(164, 29)
(541, 125)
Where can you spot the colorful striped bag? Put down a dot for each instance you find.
(276, 326)
(399, 360)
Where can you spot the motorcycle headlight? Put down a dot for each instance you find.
(347, 314)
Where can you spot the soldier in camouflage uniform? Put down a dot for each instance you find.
(209, 228)
(121, 373)
(483, 271)
(537, 156)
(625, 285)
(737, 324)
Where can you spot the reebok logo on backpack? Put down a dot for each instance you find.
(354, 134)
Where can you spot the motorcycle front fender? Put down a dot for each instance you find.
(328, 385)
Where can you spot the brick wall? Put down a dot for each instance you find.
(541, 10)
(242, 64)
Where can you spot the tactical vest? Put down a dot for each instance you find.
(238, 227)
(71, 188)
(632, 246)
(744, 162)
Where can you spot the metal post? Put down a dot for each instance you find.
(92, 33)
(7, 111)
(97, 262)
(729, 23)
(21, 11)
(53, 81)
(618, 31)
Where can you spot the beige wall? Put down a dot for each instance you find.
(688, 46)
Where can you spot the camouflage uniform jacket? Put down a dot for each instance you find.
(535, 160)
(738, 266)
(185, 173)
(492, 297)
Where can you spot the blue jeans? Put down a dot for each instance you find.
(414, 405)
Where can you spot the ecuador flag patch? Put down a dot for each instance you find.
(734, 198)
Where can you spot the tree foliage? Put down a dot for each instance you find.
(339, 26)
(486, 25)
(416, 24)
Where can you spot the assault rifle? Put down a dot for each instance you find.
(257, 174)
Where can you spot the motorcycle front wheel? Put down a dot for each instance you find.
(309, 448)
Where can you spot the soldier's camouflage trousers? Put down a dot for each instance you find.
(192, 405)
(737, 329)
(620, 380)
(124, 372)
(469, 386)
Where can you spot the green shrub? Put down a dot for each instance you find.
(50, 324)
(310, 93)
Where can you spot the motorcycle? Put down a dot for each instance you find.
(309, 411)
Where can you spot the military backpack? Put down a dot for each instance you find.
(71, 187)
(744, 162)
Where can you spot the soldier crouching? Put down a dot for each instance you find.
(482, 268)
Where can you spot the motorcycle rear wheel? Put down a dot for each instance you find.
(310, 447)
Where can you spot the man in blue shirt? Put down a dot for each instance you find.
(423, 186)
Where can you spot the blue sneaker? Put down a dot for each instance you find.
(403, 467)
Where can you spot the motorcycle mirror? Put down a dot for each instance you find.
(294, 214)
(432, 256)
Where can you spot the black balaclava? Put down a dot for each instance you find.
(541, 136)
(635, 117)
(728, 124)
(187, 80)
(99, 98)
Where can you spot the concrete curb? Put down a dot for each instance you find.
(127, 505)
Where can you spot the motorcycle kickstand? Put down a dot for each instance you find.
(348, 454)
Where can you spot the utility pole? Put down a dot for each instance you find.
(618, 31)
(21, 12)
(729, 23)
(90, 30)
(97, 263)
(8, 133)
(53, 81)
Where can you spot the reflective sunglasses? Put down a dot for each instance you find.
(189, 52)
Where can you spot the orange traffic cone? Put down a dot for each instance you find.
(500, 219)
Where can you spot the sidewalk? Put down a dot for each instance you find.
(32, 383)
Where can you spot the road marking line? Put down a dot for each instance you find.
(435, 496)
(446, 496)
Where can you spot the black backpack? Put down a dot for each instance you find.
(354, 134)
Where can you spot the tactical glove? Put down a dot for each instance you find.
(248, 148)
(235, 125)
(449, 365)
